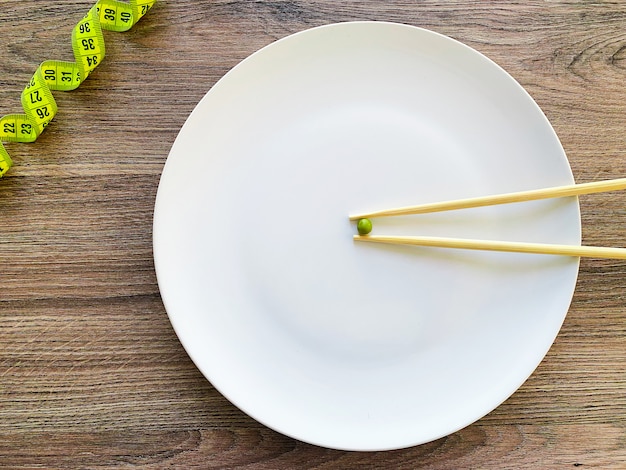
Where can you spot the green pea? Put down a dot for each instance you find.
(364, 226)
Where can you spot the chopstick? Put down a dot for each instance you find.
(518, 247)
(532, 195)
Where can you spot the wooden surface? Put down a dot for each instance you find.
(91, 372)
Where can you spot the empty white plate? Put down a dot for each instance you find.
(362, 346)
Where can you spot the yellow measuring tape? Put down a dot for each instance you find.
(88, 46)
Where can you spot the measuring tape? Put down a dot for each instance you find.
(88, 46)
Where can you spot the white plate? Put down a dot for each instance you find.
(362, 347)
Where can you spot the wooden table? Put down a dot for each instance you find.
(91, 372)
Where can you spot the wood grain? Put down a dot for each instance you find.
(91, 372)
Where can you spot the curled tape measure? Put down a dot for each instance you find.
(88, 46)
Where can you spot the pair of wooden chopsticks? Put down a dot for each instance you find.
(520, 247)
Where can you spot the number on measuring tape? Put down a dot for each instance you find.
(9, 128)
(26, 129)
